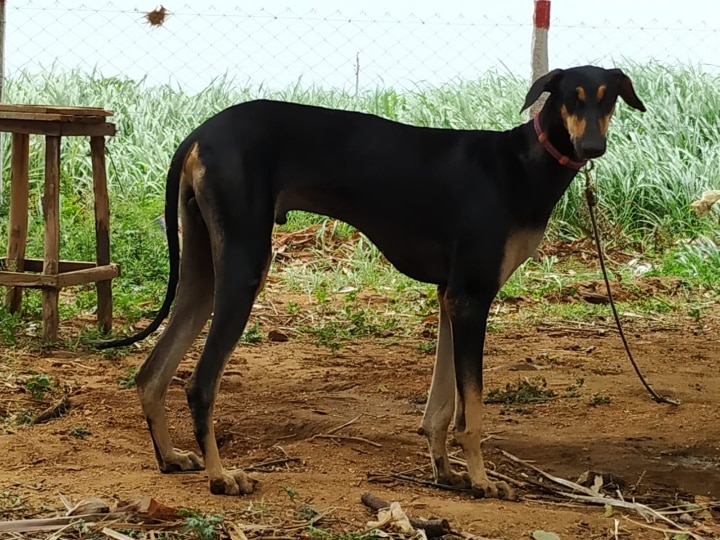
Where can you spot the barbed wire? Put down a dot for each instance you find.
(190, 47)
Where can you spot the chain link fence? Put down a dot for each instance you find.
(191, 46)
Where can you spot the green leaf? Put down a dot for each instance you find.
(542, 535)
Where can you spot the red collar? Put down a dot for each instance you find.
(561, 158)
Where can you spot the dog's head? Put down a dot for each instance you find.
(584, 97)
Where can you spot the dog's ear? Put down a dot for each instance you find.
(627, 92)
(546, 83)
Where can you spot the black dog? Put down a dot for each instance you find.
(457, 208)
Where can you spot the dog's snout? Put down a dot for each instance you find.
(589, 149)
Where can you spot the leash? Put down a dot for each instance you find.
(592, 202)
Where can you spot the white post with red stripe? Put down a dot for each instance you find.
(541, 28)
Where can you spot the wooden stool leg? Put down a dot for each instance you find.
(51, 215)
(102, 231)
(18, 215)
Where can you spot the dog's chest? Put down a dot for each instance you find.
(520, 246)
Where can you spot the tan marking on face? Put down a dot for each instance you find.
(580, 93)
(574, 124)
(605, 122)
(193, 171)
(601, 92)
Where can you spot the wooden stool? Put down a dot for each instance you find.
(51, 273)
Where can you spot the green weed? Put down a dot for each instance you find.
(290, 492)
(201, 526)
(252, 334)
(525, 391)
(573, 390)
(38, 385)
(128, 381)
(79, 432)
(427, 347)
(9, 324)
(599, 399)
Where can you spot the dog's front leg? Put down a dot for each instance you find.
(468, 316)
(441, 404)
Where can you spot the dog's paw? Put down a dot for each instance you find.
(456, 480)
(493, 490)
(484, 489)
(232, 483)
(181, 461)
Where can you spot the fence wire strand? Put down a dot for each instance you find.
(191, 47)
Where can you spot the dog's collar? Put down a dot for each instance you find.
(561, 158)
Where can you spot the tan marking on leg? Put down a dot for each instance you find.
(227, 482)
(574, 124)
(580, 93)
(193, 170)
(520, 246)
(190, 313)
(601, 92)
(441, 404)
(605, 122)
(263, 278)
(470, 439)
(154, 376)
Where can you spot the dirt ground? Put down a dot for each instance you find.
(276, 396)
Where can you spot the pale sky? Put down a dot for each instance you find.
(398, 42)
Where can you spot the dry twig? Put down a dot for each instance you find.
(347, 438)
(55, 410)
(107, 531)
(332, 434)
(430, 483)
(664, 531)
(589, 496)
(262, 467)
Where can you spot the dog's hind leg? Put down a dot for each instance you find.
(241, 252)
(192, 310)
(441, 403)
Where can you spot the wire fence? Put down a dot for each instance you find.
(191, 46)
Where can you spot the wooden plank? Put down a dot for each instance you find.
(80, 111)
(50, 117)
(91, 274)
(36, 265)
(55, 109)
(102, 231)
(99, 274)
(71, 266)
(31, 281)
(18, 214)
(51, 256)
(69, 129)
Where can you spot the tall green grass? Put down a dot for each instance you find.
(656, 164)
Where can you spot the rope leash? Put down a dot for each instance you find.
(592, 202)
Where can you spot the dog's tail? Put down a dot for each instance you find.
(172, 194)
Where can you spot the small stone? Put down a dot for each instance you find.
(277, 336)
